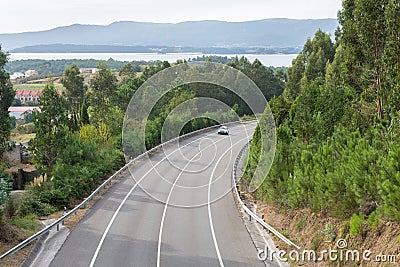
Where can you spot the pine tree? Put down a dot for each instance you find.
(7, 94)
(49, 128)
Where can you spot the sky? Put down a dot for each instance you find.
(29, 15)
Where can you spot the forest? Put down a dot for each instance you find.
(46, 67)
(78, 140)
(338, 121)
(336, 111)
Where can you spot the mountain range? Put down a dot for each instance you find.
(267, 33)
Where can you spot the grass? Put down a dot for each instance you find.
(302, 222)
(316, 242)
(58, 86)
(29, 223)
(356, 222)
(22, 138)
(23, 133)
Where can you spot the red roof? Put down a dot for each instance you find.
(20, 93)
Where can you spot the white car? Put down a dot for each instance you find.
(223, 130)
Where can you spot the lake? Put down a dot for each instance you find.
(276, 60)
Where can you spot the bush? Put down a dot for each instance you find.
(329, 232)
(81, 166)
(373, 221)
(5, 187)
(28, 222)
(1, 217)
(32, 204)
(356, 224)
(25, 128)
(11, 208)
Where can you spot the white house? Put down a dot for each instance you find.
(17, 75)
(20, 112)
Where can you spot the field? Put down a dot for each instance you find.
(58, 86)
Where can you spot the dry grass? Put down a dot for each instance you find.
(22, 138)
(309, 231)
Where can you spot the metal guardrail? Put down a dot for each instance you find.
(103, 185)
(247, 210)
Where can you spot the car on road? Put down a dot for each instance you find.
(223, 130)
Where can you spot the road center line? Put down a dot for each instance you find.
(169, 196)
(126, 197)
(167, 202)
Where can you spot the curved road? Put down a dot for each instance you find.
(173, 209)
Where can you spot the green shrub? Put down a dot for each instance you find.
(373, 221)
(1, 217)
(25, 128)
(28, 222)
(11, 207)
(329, 232)
(5, 187)
(57, 197)
(344, 229)
(316, 242)
(356, 224)
(32, 204)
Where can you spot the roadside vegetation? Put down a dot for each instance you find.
(75, 141)
(338, 123)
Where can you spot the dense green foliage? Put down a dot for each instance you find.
(6, 98)
(5, 187)
(338, 121)
(44, 67)
(79, 132)
(49, 129)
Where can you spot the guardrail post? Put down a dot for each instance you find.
(262, 217)
(58, 227)
(65, 212)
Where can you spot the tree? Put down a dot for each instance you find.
(294, 75)
(49, 128)
(127, 72)
(303, 110)
(75, 93)
(125, 91)
(392, 56)
(7, 95)
(364, 38)
(103, 87)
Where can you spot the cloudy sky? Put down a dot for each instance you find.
(29, 15)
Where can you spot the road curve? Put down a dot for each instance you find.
(174, 209)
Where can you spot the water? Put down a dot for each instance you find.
(276, 60)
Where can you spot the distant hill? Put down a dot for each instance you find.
(71, 48)
(259, 33)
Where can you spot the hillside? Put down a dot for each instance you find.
(260, 33)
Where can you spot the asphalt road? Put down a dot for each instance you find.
(174, 209)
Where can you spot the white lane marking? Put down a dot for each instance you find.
(221, 263)
(167, 202)
(193, 187)
(96, 253)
